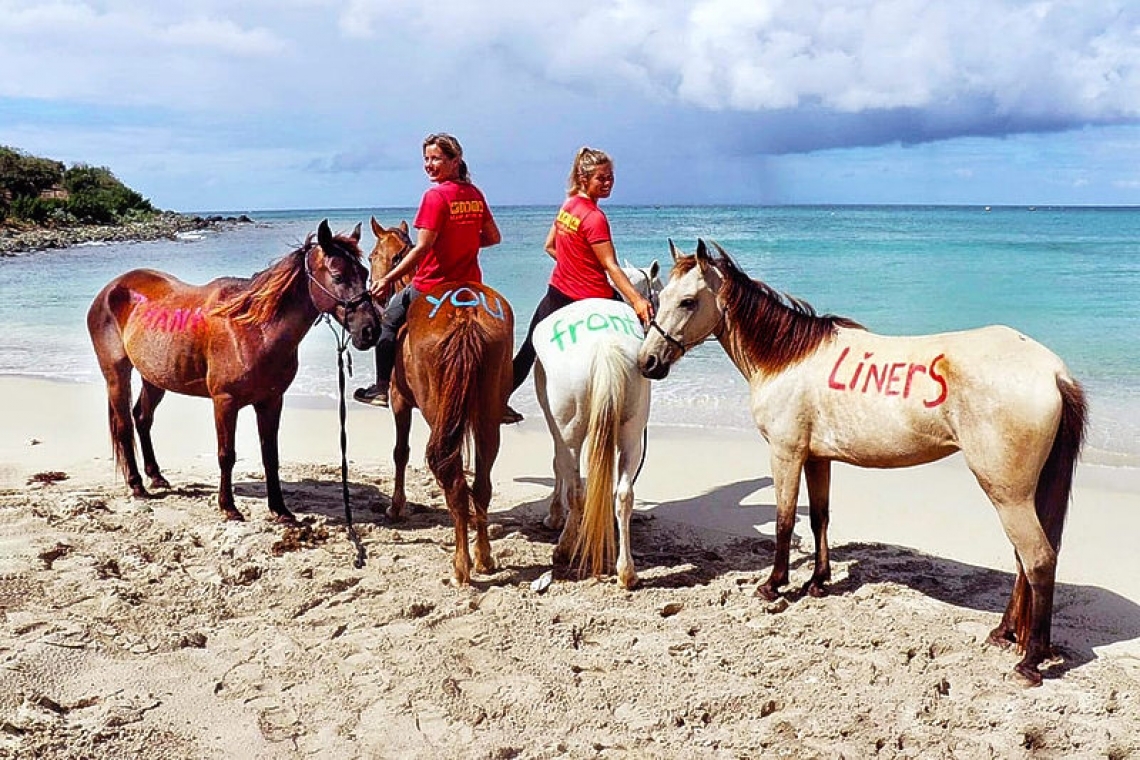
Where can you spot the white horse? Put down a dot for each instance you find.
(824, 389)
(593, 396)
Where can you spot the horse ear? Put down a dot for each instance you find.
(355, 233)
(674, 252)
(723, 253)
(654, 269)
(377, 230)
(324, 234)
(702, 253)
(404, 225)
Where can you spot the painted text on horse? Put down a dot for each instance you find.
(885, 377)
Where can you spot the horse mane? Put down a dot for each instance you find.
(771, 330)
(260, 300)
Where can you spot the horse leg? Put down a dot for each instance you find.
(486, 451)
(566, 464)
(1038, 565)
(1005, 634)
(118, 377)
(402, 415)
(629, 457)
(556, 516)
(225, 425)
(268, 424)
(817, 473)
(786, 476)
(149, 398)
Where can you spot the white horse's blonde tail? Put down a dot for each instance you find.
(595, 546)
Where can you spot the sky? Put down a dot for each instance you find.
(245, 105)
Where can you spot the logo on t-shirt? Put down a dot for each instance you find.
(568, 221)
(465, 211)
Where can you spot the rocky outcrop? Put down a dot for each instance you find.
(161, 225)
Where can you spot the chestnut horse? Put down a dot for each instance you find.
(454, 363)
(824, 389)
(232, 340)
(391, 246)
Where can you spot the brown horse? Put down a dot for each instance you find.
(825, 389)
(454, 364)
(390, 248)
(232, 340)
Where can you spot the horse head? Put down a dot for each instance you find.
(687, 312)
(646, 280)
(338, 284)
(390, 248)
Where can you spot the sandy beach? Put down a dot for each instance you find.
(153, 629)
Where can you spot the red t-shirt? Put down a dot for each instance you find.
(456, 212)
(578, 273)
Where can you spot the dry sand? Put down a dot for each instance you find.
(153, 629)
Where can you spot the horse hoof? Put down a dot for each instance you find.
(815, 590)
(232, 515)
(629, 583)
(159, 482)
(395, 515)
(138, 492)
(1001, 637)
(1027, 674)
(560, 558)
(767, 593)
(285, 519)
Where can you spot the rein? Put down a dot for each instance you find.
(342, 340)
(341, 350)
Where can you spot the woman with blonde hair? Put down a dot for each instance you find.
(585, 263)
(453, 223)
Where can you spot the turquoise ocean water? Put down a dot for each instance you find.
(1069, 277)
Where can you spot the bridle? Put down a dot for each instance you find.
(680, 345)
(406, 241)
(349, 305)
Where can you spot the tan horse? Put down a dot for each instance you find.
(824, 389)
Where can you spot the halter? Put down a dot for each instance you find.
(676, 343)
(348, 304)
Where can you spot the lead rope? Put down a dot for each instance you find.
(341, 351)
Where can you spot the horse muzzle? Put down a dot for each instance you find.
(653, 367)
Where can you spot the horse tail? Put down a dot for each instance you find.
(460, 355)
(1054, 487)
(596, 543)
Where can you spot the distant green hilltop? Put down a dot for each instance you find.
(42, 192)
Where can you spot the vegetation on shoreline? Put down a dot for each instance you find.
(46, 204)
(46, 193)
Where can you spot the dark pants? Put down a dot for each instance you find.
(553, 301)
(395, 314)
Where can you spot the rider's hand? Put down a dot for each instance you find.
(379, 287)
(644, 310)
